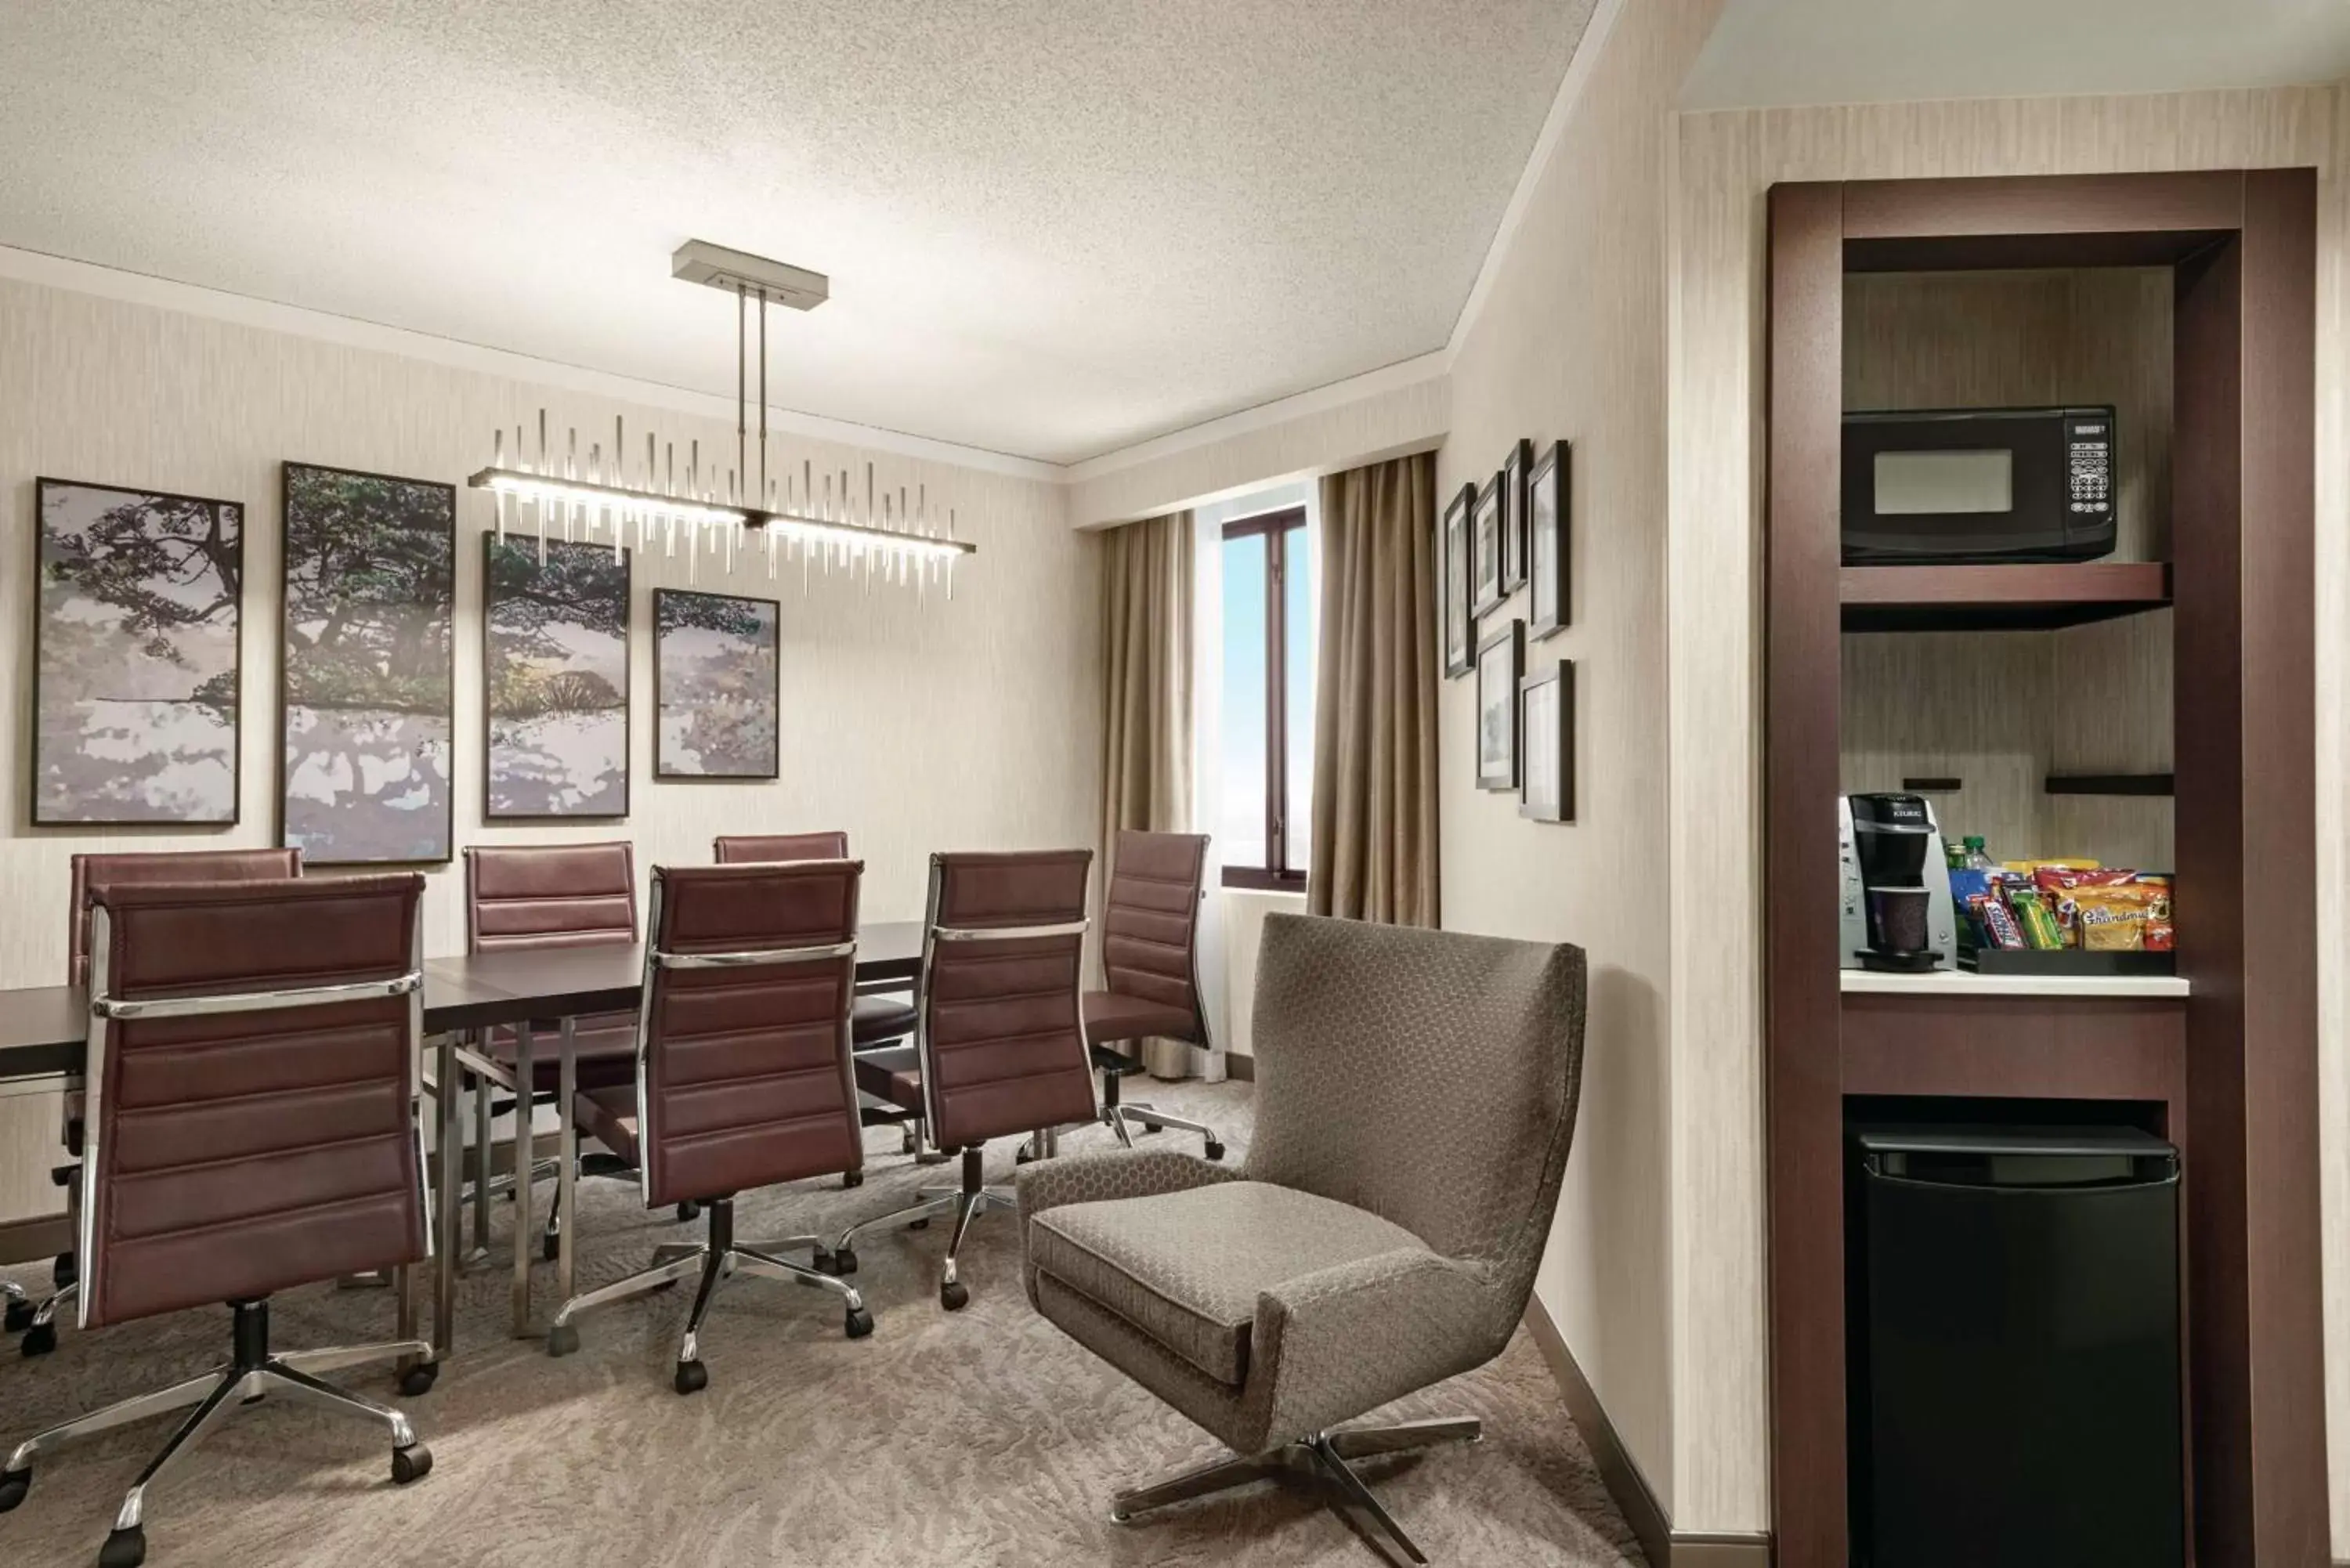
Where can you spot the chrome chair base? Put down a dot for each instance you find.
(1116, 1116)
(715, 1260)
(966, 1203)
(253, 1372)
(41, 1334)
(1322, 1458)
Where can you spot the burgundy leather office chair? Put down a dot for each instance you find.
(1150, 934)
(91, 873)
(999, 1046)
(251, 1091)
(742, 848)
(547, 895)
(742, 1074)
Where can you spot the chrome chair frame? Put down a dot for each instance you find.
(974, 1195)
(253, 1369)
(719, 1256)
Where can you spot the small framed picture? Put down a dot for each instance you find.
(1501, 663)
(1456, 614)
(1547, 538)
(1485, 528)
(1546, 733)
(1513, 514)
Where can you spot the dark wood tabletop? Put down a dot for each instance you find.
(42, 1028)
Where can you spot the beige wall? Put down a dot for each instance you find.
(1725, 163)
(1570, 344)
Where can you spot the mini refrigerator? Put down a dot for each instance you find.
(2013, 1341)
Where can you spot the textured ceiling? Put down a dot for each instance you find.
(1773, 52)
(1053, 227)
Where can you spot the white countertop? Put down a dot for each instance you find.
(1966, 983)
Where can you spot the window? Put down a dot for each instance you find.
(1269, 572)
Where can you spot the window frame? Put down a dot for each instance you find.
(1274, 875)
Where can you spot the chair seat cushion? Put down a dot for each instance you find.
(604, 1045)
(876, 1018)
(893, 1074)
(1113, 1015)
(609, 1116)
(1186, 1268)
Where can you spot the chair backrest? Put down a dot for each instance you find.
(1002, 1043)
(251, 1087)
(1428, 1077)
(92, 872)
(550, 896)
(738, 848)
(742, 1064)
(1150, 920)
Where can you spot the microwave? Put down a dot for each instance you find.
(1946, 486)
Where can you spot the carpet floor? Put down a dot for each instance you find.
(944, 1441)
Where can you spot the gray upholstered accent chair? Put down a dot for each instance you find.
(1415, 1097)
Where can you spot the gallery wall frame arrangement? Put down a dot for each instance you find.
(136, 664)
(1501, 664)
(717, 685)
(366, 668)
(1549, 543)
(1513, 514)
(1486, 526)
(1456, 582)
(554, 680)
(1546, 744)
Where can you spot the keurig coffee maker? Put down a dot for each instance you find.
(1895, 903)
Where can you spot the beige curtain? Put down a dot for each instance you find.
(1375, 852)
(1147, 701)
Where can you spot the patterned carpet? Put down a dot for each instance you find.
(968, 1440)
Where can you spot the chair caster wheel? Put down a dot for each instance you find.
(39, 1339)
(563, 1339)
(1215, 1150)
(917, 1224)
(550, 1246)
(123, 1549)
(953, 1295)
(852, 1178)
(420, 1378)
(413, 1463)
(692, 1377)
(20, 1316)
(859, 1322)
(1024, 1155)
(63, 1272)
(688, 1212)
(13, 1485)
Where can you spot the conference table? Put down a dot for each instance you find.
(44, 1031)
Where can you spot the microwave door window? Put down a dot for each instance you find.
(1945, 483)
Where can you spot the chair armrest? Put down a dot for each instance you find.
(1104, 1174)
(1348, 1338)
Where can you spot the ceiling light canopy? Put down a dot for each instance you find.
(897, 542)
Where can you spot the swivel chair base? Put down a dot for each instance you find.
(20, 1310)
(966, 1203)
(250, 1372)
(714, 1259)
(1322, 1458)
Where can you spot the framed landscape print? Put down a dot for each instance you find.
(555, 674)
(135, 665)
(1485, 528)
(1501, 659)
(1513, 514)
(1456, 616)
(1546, 736)
(370, 677)
(717, 685)
(1547, 538)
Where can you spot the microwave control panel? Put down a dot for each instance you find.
(2089, 465)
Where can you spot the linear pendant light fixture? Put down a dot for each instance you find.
(897, 542)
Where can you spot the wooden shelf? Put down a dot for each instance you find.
(1998, 599)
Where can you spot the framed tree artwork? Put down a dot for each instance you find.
(1501, 661)
(1548, 537)
(367, 674)
(555, 674)
(1513, 514)
(1546, 737)
(135, 662)
(1485, 528)
(1455, 616)
(717, 685)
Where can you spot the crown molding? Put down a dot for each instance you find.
(244, 310)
